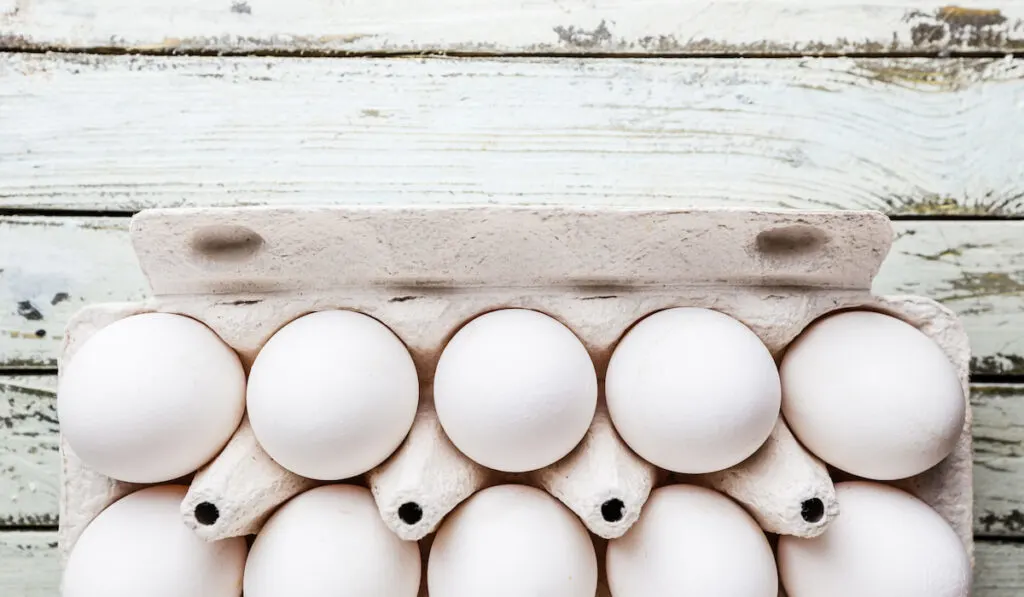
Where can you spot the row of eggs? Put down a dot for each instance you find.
(514, 540)
(332, 394)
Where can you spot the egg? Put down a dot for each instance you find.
(511, 541)
(692, 541)
(692, 390)
(332, 394)
(150, 398)
(331, 542)
(872, 395)
(515, 390)
(140, 546)
(885, 543)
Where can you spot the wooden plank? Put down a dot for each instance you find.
(975, 269)
(907, 136)
(29, 452)
(524, 26)
(30, 566)
(50, 268)
(998, 460)
(54, 265)
(998, 569)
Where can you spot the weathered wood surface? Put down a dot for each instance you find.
(521, 26)
(907, 136)
(29, 457)
(52, 266)
(30, 566)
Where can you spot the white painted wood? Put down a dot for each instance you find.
(29, 564)
(494, 26)
(29, 458)
(916, 136)
(998, 459)
(999, 570)
(975, 268)
(30, 567)
(46, 276)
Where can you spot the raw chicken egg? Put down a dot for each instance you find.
(872, 395)
(692, 390)
(692, 541)
(331, 542)
(511, 541)
(885, 543)
(140, 546)
(515, 390)
(332, 394)
(150, 398)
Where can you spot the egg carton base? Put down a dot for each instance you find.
(246, 323)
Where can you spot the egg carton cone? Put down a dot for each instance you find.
(602, 481)
(425, 479)
(234, 494)
(426, 271)
(785, 488)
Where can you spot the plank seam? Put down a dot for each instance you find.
(278, 53)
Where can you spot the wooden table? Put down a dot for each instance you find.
(907, 106)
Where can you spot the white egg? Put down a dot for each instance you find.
(692, 541)
(692, 390)
(331, 542)
(151, 398)
(140, 546)
(332, 394)
(885, 543)
(512, 541)
(872, 395)
(515, 390)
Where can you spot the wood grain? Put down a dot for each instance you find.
(52, 266)
(906, 136)
(29, 456)
(30, 566)
(747, 27)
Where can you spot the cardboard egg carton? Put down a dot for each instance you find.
(426, 271)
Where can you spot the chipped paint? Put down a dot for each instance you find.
(972, 285)
(29, 311)
(584, 39)
(241, 8)
(958, 27)
(998, 364)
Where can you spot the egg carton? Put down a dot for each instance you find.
(426, 271)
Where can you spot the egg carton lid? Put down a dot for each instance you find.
(279, 249)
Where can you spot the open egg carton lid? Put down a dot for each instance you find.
(424, 271)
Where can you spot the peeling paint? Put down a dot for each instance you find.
(998, 364)
(587, 39)
(955, 26)
(1009, 523)
(978, 285)
(241, 8)
(29, 311)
